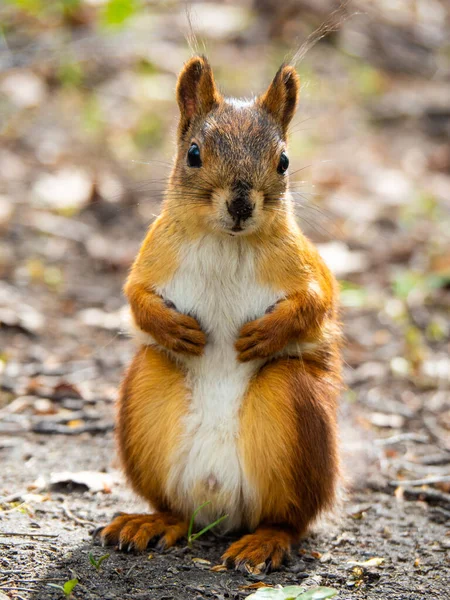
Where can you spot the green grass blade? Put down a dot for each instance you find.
(92, 560)
(207, 528)
(194, 514)
(102, 558)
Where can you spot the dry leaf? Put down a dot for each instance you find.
(376, 561)
(201, 561)
(219, 568)
(93, 481)
(255, 586)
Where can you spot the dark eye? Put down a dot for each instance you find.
(283, 164)
(193, 156)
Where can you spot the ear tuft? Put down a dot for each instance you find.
(196, 91)
(281, 98)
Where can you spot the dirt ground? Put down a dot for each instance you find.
(87, 121)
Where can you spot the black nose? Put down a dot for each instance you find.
(240, 209)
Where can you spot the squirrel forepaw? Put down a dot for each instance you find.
(259, 339)
(183, 334)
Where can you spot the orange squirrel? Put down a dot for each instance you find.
(232, 396)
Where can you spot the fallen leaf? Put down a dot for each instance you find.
(371, 562)
(255, 586)
(219, 568)
(93, 481)
(201, 561)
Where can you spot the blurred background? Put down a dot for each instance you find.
(87, 123)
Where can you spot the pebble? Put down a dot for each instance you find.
(298, 567)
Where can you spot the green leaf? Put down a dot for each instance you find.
(318, 593)
(291, 592)
(118, 11)
(267, 594)
(92, 560)
(69, 586)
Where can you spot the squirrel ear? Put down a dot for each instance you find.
(280, 99)
(196, 91)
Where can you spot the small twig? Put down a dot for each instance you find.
(24, 534)
(130, 569)
(432, 497)
(434, 431)
(403, 437)
(11, 497)
(14, 508)
(69, 514)
(40, 580)
(416, 482)
(18, 589)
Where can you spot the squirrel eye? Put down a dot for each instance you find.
(193, 156)
(283, 164)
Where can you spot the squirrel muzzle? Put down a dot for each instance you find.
(241, 207)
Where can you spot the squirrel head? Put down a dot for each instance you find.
(230, 172)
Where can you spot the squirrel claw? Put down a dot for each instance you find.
(258, 552)
(97, 531)
(134, 532)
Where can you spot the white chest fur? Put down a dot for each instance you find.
(215, 283)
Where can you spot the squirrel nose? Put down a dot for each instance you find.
(240, 209)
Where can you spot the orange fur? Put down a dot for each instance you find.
(152, 403)
(288, 441)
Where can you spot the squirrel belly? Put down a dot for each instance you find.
(215, 282)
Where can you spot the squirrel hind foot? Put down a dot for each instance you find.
(262, 551)
(136, 531)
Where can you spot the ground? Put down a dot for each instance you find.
(86, 143)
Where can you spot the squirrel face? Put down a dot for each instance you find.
(231, 166)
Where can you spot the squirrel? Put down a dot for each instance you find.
(231, 398)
